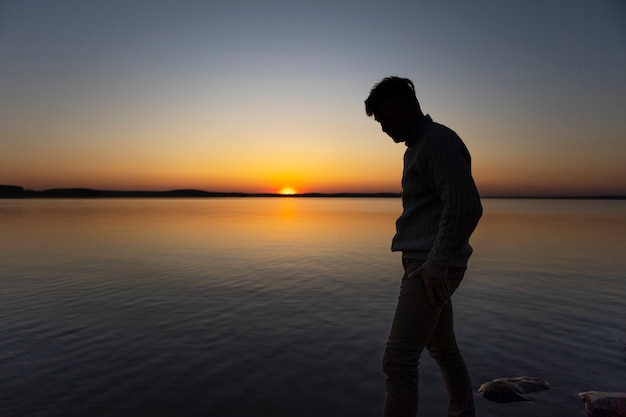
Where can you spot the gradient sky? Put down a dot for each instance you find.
(254, 95)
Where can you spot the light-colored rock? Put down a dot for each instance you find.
(505, 390)
(604, 404)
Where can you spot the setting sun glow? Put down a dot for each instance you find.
(103, 96)
(287, 191)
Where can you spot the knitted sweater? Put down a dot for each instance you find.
(441, 205)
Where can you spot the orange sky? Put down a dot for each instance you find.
(244, 99)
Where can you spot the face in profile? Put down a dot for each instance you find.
(394, 120)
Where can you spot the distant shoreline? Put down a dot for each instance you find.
(13, 191)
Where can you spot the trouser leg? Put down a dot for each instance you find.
(413, 323)
(416, 325)
(443, 348)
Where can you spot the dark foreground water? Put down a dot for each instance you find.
(281, 307)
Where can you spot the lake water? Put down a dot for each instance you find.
(281, 306)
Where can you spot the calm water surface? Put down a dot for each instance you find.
(281, 306)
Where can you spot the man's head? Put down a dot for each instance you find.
(394, 105)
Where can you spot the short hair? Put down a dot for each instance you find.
(397, 89)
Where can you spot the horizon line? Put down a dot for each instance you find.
(14, 191)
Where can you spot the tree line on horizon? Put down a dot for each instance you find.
(15, 191)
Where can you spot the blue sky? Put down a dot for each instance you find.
(258, 95)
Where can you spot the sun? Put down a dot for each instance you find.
(287, 191)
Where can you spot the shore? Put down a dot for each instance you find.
(14, 191)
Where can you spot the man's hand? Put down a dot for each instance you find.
(436, 288)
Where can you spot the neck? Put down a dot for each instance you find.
(417, 117)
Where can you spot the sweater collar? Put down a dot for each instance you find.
(419, 129)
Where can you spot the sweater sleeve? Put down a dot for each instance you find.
(446, 165)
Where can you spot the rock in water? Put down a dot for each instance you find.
(506, 390)
(502, 391)
(604, 404)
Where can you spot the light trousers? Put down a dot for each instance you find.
(416, 325)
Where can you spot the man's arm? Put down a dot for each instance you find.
(448, 168)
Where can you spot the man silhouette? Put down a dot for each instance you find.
(441, 208)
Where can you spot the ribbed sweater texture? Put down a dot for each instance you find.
(441, 205)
